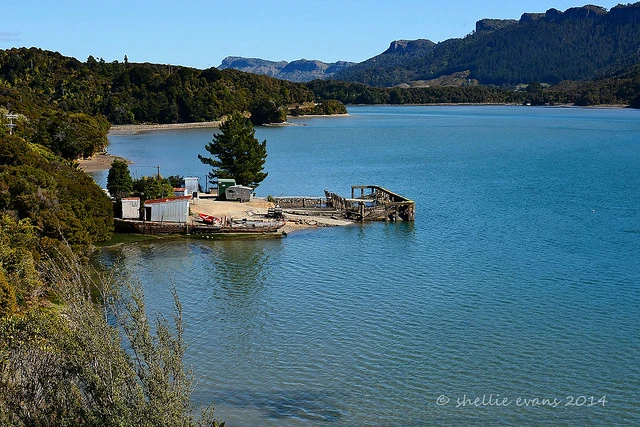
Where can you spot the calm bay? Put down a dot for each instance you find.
(512, 299)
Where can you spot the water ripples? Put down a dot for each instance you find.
(518, 278)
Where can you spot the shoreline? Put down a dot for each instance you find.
(214, 124)
(133, 129)
(99, 162)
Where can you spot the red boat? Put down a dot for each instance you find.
(209, 219)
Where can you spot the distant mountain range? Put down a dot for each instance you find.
(302, 70)
(580, 43)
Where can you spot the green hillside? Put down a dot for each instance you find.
(33, 79)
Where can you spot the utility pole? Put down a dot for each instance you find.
(161, 186)
(11, 125)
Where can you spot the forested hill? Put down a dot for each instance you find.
(549, 47)
(33, 79)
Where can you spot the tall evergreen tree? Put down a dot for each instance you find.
(119, 182)
(237, 153)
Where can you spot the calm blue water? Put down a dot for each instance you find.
(518, 279)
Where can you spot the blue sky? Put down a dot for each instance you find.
(201, 33)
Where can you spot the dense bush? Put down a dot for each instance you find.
(71, 135)
(60, 200)
(135, 93)
(152, 187)
(67, 365)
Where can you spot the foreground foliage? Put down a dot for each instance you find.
(65, 358)
(66, 365)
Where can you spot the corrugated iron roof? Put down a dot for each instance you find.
(167, 200)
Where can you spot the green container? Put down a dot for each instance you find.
(223, 184)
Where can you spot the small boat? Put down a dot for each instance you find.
(208, 219)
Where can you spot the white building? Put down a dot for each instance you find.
(174, 209)
(131, 208)
(192, 184)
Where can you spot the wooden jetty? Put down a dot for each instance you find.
(374, 203)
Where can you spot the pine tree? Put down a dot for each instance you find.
(237, 153)
(119, 182)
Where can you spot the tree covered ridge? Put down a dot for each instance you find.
(620, 88)
(546, 48)
(124, 92)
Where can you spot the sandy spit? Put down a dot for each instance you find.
(133, 129)
(99, 162)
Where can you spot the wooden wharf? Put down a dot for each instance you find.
(374, 203)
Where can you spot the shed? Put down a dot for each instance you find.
(180, 191)
(174, 209)
(223, 184)
(130, 208)
(191, 184)
(239, 192)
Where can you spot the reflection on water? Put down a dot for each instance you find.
(242, 266)
(228, 274)
(235, 272)
(282, 404)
